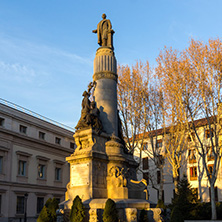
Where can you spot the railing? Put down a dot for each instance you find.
(27, 111)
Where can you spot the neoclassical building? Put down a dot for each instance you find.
(192, 166)
(32, 161)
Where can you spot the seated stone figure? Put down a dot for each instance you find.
(94, 117)
(89, 114)
(84, 119)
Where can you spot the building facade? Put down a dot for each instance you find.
(191, 166)
(32, 162)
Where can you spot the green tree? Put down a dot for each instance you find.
(77, 211)
(110, 213)
(48, 212)
(184, 201)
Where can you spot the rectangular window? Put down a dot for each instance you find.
(159, 143)
(145, 146)
(58, 140)
(193, 173)
(20, 205)
(23, 129)
(158, 177)
(145, 163)
(58, 174)
(22, 168)
(192, 156)
(41, 135)
(41, 171)
(146, 177)
(207, 133)
(40, 204)
(72, 145)
(191, 137)
(2, 121)
(1, 164)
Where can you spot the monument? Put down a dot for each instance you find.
(101, 167)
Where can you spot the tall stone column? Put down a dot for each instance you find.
(105, 94)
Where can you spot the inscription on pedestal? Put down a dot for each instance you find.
(80, 175)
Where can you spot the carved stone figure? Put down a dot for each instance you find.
(84, 119)
(94, 117)
(89, 112)
(117, 177)
(104, 32)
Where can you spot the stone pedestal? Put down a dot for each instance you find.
(88, 167)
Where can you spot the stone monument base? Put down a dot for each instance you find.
(128, 210)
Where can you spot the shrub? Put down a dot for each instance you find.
(77, 211)
(110, 213)
(219, 210)
(48, 212)
(176, 215)
(160, 204)
(143, 216)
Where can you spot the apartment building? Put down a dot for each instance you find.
(192, 166)
(32, 161)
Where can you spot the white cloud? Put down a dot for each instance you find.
(16, 72)
(41, 58)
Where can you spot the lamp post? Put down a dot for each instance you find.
(25, 206)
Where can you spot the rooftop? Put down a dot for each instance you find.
(34, 114)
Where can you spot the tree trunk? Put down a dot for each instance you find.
(213, 203)
(161, 185)
(175, 180)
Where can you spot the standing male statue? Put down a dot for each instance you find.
(104, 32)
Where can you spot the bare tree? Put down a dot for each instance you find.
(139, 102)
(193, 78)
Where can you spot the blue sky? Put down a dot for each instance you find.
(47, 46)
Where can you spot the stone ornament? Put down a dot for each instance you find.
(117, 176)
(93, 215)
(105, 75)
(131, 214)
(104, 32)
(89, 113)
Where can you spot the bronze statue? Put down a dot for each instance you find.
(105, 32)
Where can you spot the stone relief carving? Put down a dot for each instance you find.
(89, 113)
(105, 75)
(93, 215)
(131, 214)
(117, 176)
(104, 32)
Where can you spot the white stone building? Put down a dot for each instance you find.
(32, 161)
(192, 167)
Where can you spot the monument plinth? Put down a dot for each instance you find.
(101, 167)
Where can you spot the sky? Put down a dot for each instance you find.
(47, 47)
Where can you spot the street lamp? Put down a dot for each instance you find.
(25, 213)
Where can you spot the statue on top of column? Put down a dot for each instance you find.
(105, 32)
